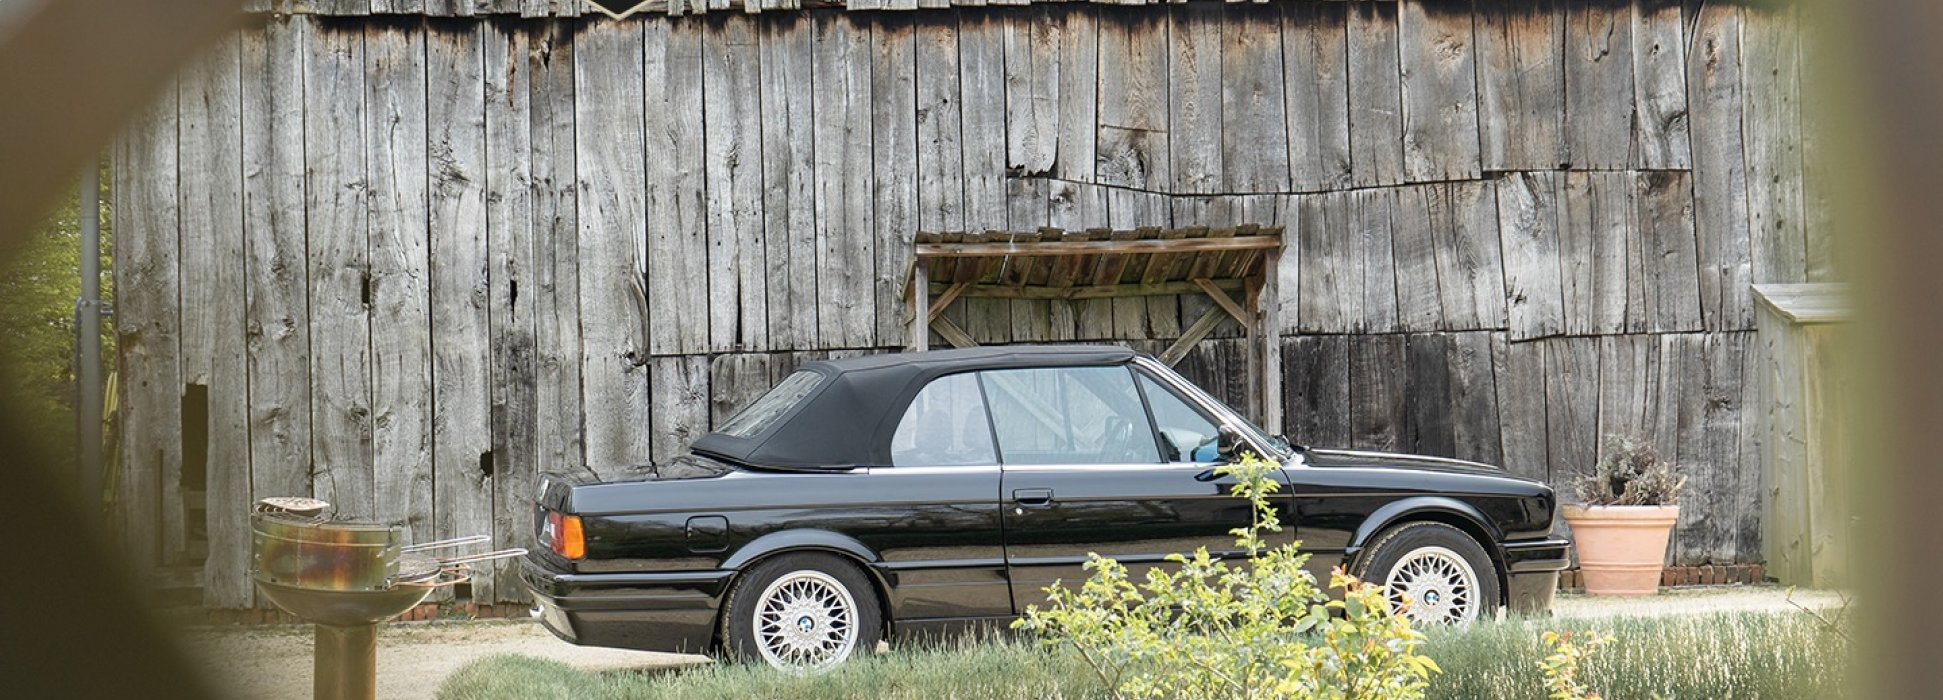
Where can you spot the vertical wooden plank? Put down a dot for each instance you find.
(982, 76)
(1315, 66)
(845, 260)
(1520, 370)
(1315, 388)
(1329, 294)
(1375, 95)
(684, 313)
(1075, 207)
(613, 246)
(735, 381)
(1521, 85)
(1288, 267)
(1079, 97)
(894, 138)
(273, 225)
(1377, 406)
(1470, 268)
(1027, 212)
(337, 252)
(1751, 528)
(1572, 408)
(1598, 66)
(1133, 141)
(1528, 225)
(1772, 123)
(681, 406)
(557, 248)
(1195, 90)
(147, 330)
(1702, 415)
(940, 155)
(1665, 219)
(1474, 409)
(1032, 82)
(1371, 230)
(1629, 391)
(1595, 226)
(1719, 169)
(1440, 94)
(789, 210)
(1419, 302)
(732, 168)
(213, 320)
(401, 347)
(510, 311)
(462, 441)
(981, 67)
(1660, 113)
(1254, 118)
(1428, 428)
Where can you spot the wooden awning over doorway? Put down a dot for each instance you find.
(1235, 267)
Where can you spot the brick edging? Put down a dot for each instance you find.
(1704, 575)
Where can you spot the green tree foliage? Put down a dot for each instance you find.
(1561, 667)
(1209, 629)
(38, 290)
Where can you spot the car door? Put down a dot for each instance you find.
(945, 550)
(1084, 471)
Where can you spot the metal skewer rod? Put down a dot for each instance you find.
(472, 558)
(442, 544)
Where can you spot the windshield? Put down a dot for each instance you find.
(764, 412)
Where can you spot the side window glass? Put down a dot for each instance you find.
(1185, 434)
(944, 427)
(1069, 415)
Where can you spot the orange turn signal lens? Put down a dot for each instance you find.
(572, 542)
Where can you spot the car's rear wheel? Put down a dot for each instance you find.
(1433, 573)
(801, 612)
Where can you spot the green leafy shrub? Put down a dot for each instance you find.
(1561, 667)
(1630, 473)
(1211, 629)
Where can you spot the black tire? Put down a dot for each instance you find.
(1423, 541)
(741, 606)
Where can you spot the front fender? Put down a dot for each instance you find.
(799, 540)
(1443, 506)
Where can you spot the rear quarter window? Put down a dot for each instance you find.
(764, 413)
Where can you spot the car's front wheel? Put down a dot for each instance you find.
(801, 612)
(1433, 573)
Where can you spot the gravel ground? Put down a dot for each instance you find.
(273, 663)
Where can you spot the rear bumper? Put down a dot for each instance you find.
(670, 612)
(1531, 573)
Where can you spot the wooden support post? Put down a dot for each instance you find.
(952, 333)
(1268, 329)
(920, 307)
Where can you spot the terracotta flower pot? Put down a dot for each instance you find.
(1622, 549)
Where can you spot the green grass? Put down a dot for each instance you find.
(1778, 656)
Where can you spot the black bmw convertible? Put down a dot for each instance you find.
(917, 494)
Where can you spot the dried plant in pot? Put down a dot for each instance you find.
(1628, 506)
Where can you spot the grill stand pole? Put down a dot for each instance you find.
(346, 663)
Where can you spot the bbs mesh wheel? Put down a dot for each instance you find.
(1433, 573)
(804, 612)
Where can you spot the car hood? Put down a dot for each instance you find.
(1391, 460)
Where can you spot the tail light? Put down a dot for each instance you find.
(564, 536)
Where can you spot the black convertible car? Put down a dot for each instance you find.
(921, 493)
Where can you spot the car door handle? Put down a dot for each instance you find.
(1032, 497)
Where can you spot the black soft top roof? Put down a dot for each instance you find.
(848, 419)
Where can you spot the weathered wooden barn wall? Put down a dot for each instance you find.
(403, 258)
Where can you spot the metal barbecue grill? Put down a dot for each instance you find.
(347, 577)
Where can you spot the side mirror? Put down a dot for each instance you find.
(1229, 444)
